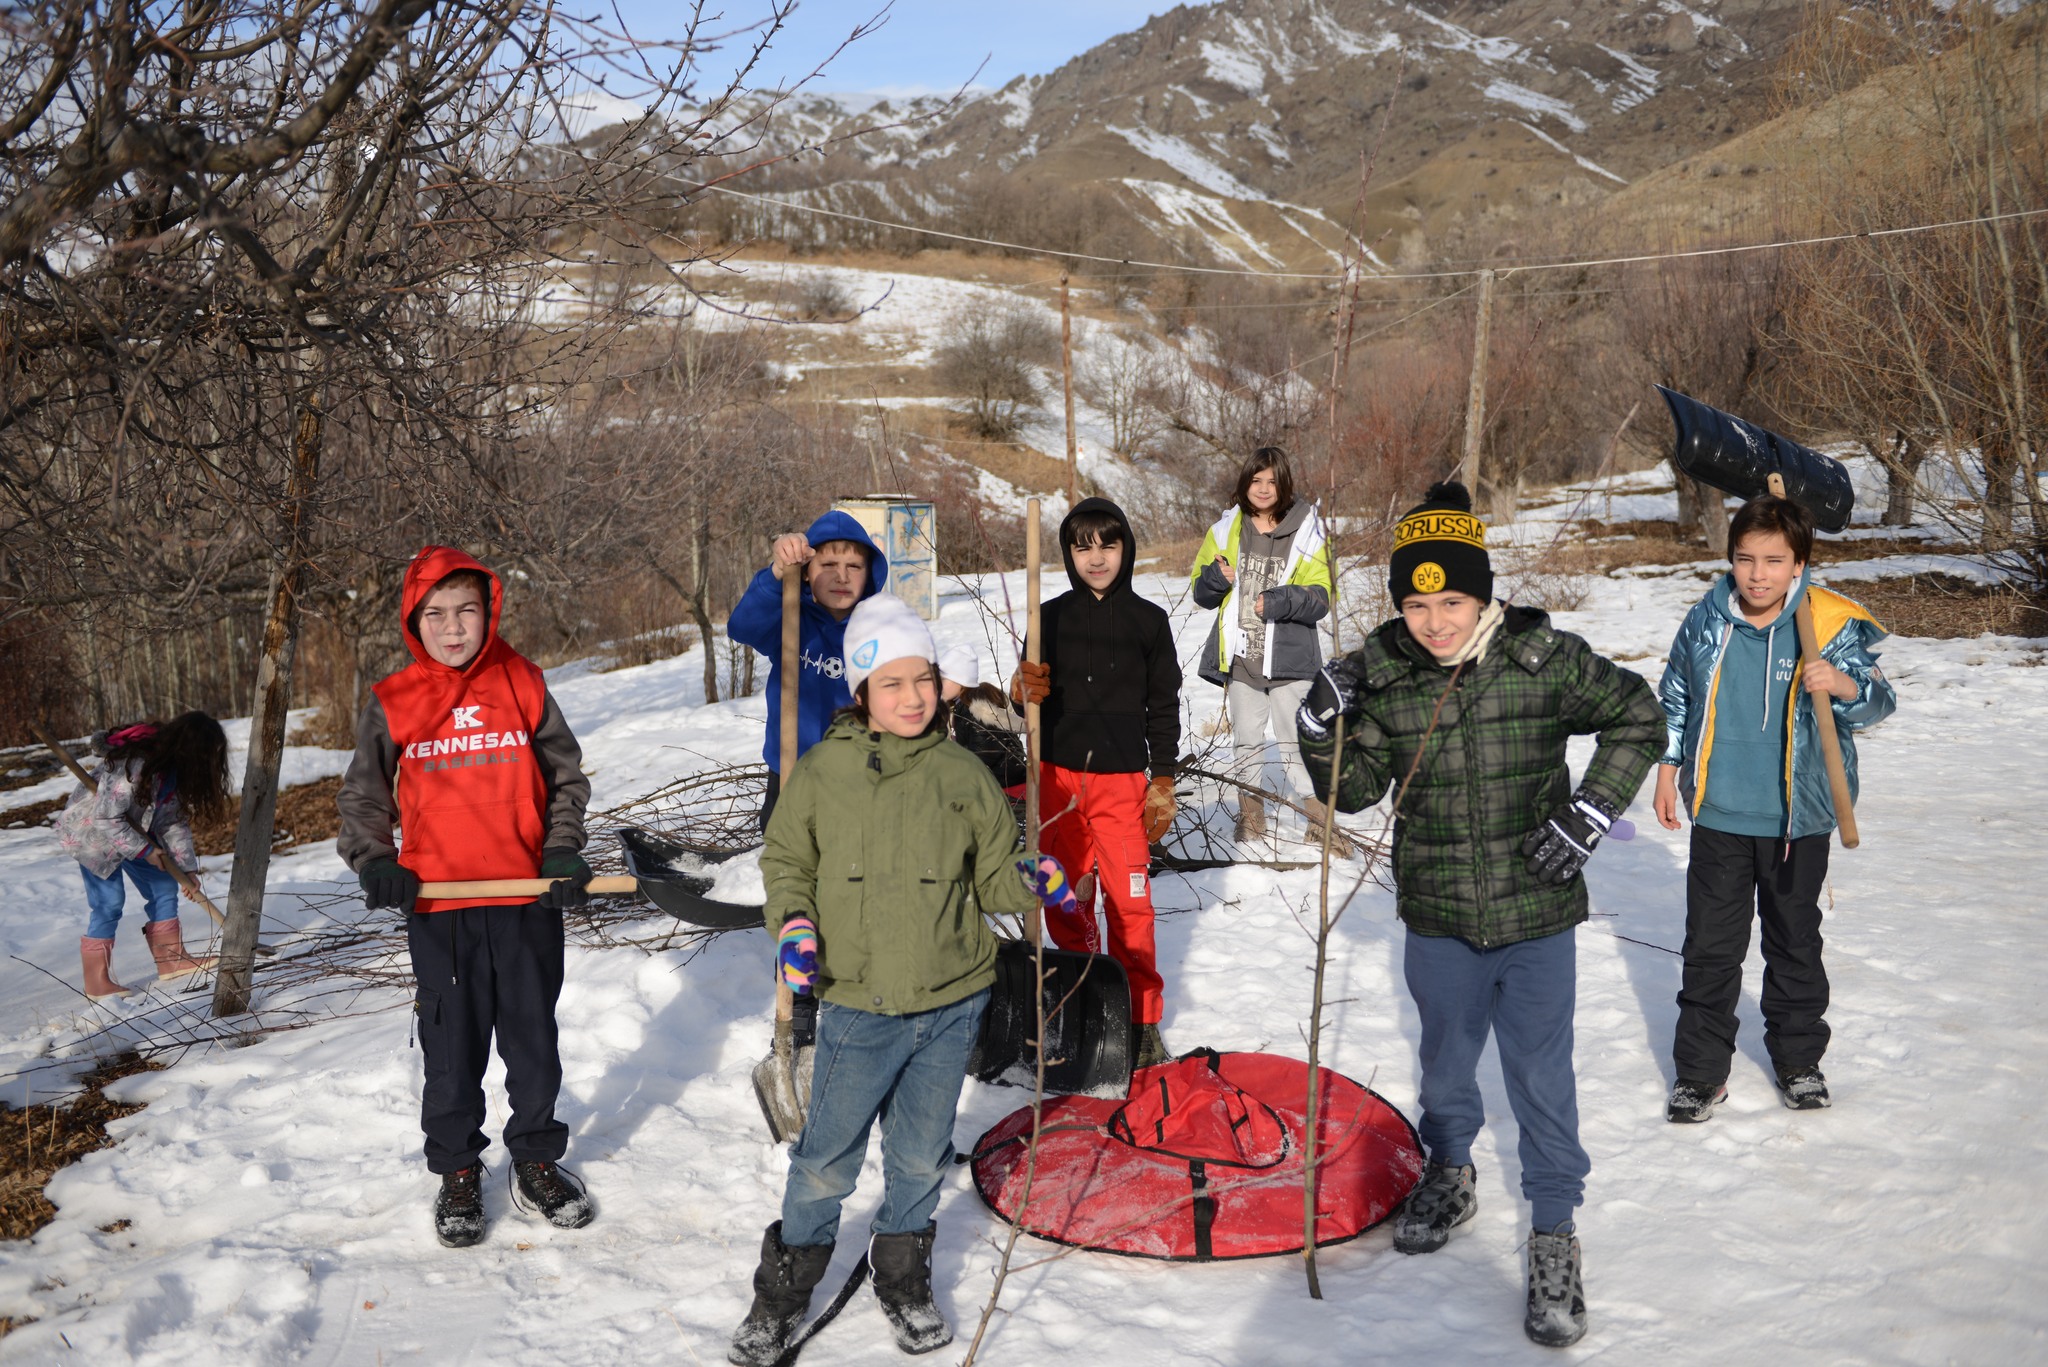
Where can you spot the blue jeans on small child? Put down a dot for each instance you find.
(104, 895)
(908, 1070)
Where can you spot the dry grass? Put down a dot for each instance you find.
(37, 1142)
(1946, 607)
(305, 813)
(34, 814)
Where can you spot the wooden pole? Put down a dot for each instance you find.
(235, 978)
(785, 752)
(1824, 714)
(1033, 653)
(1475, 397)
(1067, 380)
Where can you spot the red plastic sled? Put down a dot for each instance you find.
(1203, 1161)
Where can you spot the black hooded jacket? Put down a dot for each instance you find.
(1115, 701)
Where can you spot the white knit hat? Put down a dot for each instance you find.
(960, 665)
(881, 629)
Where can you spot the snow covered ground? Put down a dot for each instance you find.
(276, 1204)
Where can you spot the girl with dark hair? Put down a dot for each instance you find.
(153, 778)
(1264, 570)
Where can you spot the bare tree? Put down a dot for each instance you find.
(991, 354)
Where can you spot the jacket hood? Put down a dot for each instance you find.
(1130, 561)
(838, 526)
(1724, 597)
(428, 568)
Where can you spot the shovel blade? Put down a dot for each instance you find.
(1087, 1003)
(782, 1085)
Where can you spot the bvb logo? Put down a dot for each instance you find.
(1429, 577)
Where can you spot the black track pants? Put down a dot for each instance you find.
(484, 971)
(1730, 879)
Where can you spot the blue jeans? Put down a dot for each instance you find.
(909, 1071)
(1524, 994)
(104, 895)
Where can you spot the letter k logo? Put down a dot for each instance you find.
(465, 718)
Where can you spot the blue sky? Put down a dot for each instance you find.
(925, 45)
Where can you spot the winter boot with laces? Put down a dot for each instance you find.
(1803, 1089)
(1557, 1300)
(902, 1266)
(1443, 1200)
(459, 1209)
(782, 1293)
(551, 1189)
(1693, 1102)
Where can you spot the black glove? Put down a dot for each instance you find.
(387, 883)
(1333, 694)
(1560, 847)
(571, 877)
(803, 1022)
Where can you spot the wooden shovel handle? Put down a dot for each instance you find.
(1824, 714)
(527, 888)
(1034, 650)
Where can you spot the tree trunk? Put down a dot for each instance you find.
(233, 986)
(2000, 465)
(1902, 469)
(700, 558)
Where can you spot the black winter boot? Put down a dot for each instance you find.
(1147, 1048)
(459, 1209)
(551, 1189)
(782, 1293)
(1444, 1199)
(1557, 1299)
(902, 1266)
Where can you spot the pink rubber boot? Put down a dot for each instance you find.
(97, 956)
(167, 943)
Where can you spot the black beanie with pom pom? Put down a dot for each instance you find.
(1439, 546)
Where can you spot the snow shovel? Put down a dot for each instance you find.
(1085, 998)
(782, 1080)
(187, 882)
(1745, 460)
(676, 878)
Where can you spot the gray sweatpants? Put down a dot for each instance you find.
(1252, 711)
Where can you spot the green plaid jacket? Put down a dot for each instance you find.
(1494, 769)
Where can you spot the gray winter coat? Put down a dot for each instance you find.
(102, 830)
(1293, 606)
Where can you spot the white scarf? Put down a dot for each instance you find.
(1474, 650)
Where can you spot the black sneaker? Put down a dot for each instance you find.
(459, 1209)
(1443, 1200)
(1557, 1299)
(1692, 1102)
(553, 1190)
(1803, 1089)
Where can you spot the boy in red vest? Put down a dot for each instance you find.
(466, 752)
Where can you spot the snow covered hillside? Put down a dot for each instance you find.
(274, 1206)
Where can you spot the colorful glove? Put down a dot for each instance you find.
(1334, 694)
(1560, 847)
(1049, 882)
(387, 883)
(797, 955)
(1160, 807)
(1032, 683)
(572, 876)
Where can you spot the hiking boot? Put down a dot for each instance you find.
(1444, 1199)
(1319, 816)
(459, 1209)
(1147, 1048)
(167, 947)
(1557, 1300)
(96, 958)
(1803, 1089)
(553, 1190)
(902, 1265)
(1251, 818)
(1692, 1102)
(782, 1293)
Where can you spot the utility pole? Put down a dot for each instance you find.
(1067, 378)
(1475, 400)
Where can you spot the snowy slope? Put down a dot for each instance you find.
(278, 1205)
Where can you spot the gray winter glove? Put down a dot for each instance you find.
(1333, 694)
(1560, 847)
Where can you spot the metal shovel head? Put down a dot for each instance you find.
(782, 1084)
(1088, 1023)
(675, 878)
(1739, 458)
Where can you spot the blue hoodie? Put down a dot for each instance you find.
(1745, 789)
(756, 621)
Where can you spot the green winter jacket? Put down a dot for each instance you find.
(1493, 771)
(894, 848)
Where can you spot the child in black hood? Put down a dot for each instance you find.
(1110, 689)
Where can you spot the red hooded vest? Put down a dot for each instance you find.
(472, 802)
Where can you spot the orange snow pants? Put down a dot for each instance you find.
(1096, 822)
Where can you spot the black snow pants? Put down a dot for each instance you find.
(1730, 879)
(484, 971)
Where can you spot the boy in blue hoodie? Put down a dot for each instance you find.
(839, 566)
(1743, 750)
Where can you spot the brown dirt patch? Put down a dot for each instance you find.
(1947, 607)
(305, 813)
(34, 814)
(37, 1142)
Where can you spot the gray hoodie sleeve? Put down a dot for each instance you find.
(369, 808)
(561, 766)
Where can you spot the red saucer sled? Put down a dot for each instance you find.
(1203, 1161)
